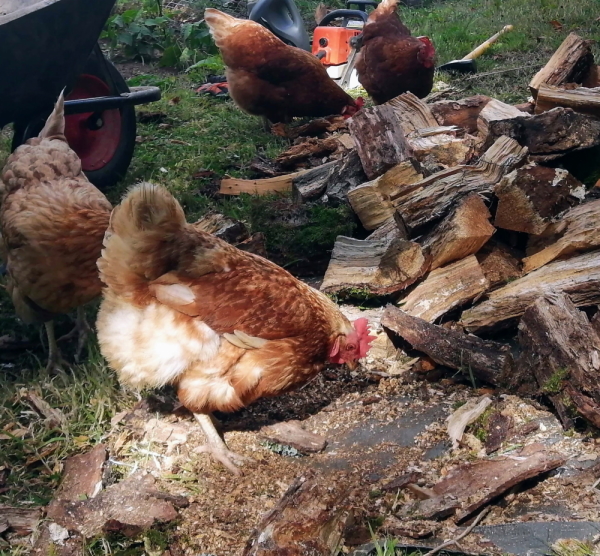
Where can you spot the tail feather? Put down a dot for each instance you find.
(55, 124)
(221, 25)
(138, 245)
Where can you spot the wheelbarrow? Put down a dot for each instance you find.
(46, 45)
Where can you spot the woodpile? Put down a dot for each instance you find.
(476, 227)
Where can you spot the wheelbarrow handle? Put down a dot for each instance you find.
(137, 95)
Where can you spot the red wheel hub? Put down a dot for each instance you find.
(95, 136)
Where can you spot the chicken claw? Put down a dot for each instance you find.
(82, 330)
(216, 446)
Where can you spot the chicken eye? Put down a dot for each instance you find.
(350, 347)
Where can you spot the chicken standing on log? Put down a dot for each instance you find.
(391, 61)
(52, 222)
(225, 326)
(271, 79)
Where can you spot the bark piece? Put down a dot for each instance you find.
(311, 147)
(377, 266)
(499, 264)
(579, 277)
(464, 416)
(461, 234)
(569, 64)
(291, 433)
(225, 228)
(562, 349)
(309, 519)
(578, 232)
(54, 418)
(379, 138)
(20, 521)
(550, 134)
(82, 478)
(476, 484)
(433, 197)
(401, 482)
(133, 501)
(461, 113)
(532, 197)
(498, 429)
(312, 184)
(349, 175)
(236, 186)
(446, 288)
(371, 200)
(582, 100)
(488, 361)
(496, 111)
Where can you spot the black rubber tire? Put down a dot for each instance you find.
(116, 168)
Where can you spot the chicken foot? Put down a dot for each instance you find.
(215, 445)
(82, 330)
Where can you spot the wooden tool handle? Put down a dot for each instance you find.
(485, 45)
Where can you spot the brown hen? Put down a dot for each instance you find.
(269, 78)
(225, 326)
(391, 61)
(52, 221)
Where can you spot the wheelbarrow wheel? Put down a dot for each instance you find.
(104, 141)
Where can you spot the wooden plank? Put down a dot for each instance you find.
(582, 100)
(278, 184)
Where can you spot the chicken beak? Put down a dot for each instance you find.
(352, 364)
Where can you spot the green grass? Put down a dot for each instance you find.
(207, 134)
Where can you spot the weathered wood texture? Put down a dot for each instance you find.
(489, 362)
(236, 186)
(446, 288)
(495, 111)
(433, 197)
(579, 277)
(462, 233)
(378, 266)
(225, 228)
(371, 201)
(498, 263)
(412, 113)
(532, 197)
(312, 184)
(308, 519)
(550, 133)
(582, 100)
(379, 138)
(562, 349)
(577, 231)
(569, 64)
(461, 113)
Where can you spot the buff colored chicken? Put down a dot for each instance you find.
(52, 221)
(226, 327)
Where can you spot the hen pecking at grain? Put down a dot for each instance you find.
(52, 221)
(224, 326)
(271, 79)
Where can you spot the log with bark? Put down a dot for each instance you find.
(371, 200)
(446, 288)
(582, 100)
(562, 349)
(532, 197)
(461, 234)
(308, 519)
(229, 229)
(579, 277)
(380, 139)
(312, 184)
(412, 113)
(461, 113)
(376, 266)
(571, 63)
(388, 230)
(577, 232)
(433, 197)
(496, 111)
(550, 134)
(487, 361)
(312, 147)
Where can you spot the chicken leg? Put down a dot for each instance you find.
(82, 330)
(55, 359)
(215, 445)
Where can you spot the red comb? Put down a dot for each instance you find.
(362, 330)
